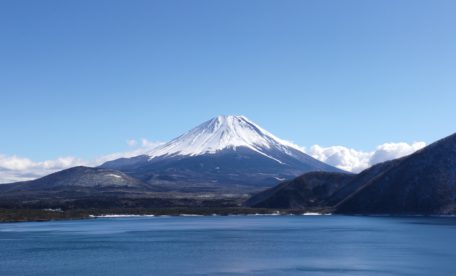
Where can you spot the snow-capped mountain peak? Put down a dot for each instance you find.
(225, 132)
(224, 151)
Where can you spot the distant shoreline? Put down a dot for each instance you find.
(42, 215)
(37, 215)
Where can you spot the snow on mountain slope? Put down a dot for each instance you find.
(226, 132)
(226, 151)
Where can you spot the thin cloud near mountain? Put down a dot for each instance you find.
(353, 160)
(14, 168)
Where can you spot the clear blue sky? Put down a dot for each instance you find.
(81, 77)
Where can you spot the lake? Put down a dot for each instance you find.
(234, 245)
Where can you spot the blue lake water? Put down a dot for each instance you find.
(236, 245)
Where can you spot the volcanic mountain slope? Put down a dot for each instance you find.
(216, 163)
(421, 183)
(226, 151)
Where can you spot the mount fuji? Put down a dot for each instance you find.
(225, 152)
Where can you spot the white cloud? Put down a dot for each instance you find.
(148, 145)
(132, 142)
(14, 168)
(145, 147)
(341, 157)
(355, 161)
(390, 151)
